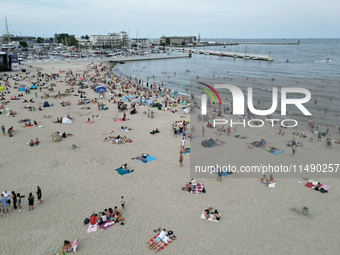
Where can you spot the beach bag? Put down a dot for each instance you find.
(203, 190)
(170, 232)
(86, 221)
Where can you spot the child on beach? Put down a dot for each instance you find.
(122, 201)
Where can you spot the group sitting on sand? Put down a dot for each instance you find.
(269, 181)
(32, 143)
(108, 214)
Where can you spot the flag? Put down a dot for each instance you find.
(270, 52)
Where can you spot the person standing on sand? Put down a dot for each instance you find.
(319, 136)
(327, 129)
(122, 202)
(219, 176)
(229, 129)
(4, 204)
(30, 202)
(180, 159)
(39, 195)
(293, 150)
(183, 142)
(203, 131)
(3, 129)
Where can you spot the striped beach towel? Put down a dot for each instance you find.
(153, 239)
(198, 188)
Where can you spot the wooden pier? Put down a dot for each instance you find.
(247, 56)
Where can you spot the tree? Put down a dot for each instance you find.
(23, 44)
(87, 37)
(167, 41)
(39, 40)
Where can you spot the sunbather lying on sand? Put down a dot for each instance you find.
(125, 128)
(154, 243)
(108, 133)
(47, 116)
(143, 157)
(108, 138)
(154, 131)
(241, 136)
(162, 243)
(208, 214)
(24, 120)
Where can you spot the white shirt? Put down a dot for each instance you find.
(161, 234)
(7, 194)
(166, 239)
(183, 142)
(104, 218)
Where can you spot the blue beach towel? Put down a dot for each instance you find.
(148, 159)
(123, 172)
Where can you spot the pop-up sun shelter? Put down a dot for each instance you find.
(66, 121)
(46, 104)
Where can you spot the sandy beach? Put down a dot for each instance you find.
(255, 219)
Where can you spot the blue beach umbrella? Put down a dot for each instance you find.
(100, 89)
(21, 89)
(33, 87)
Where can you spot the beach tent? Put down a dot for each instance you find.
(209, 143)
(1, 88)
(66, 121)
(21, 89)
(185, 111)
(101, 89)
(80, 84)
(46, 104)
(33, 87)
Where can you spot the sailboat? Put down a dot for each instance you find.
(245, 54)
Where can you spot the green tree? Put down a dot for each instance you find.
(23, 44)
(39, 40)
(167, 41)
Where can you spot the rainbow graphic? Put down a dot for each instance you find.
(208, 92)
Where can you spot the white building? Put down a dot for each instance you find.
(140, 42)
(111, 40)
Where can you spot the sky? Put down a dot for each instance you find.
(155, 18)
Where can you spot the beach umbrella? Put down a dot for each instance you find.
(11, 97)
(21, 89)
(55, 137)
(1, 88)
(100, 89)
(33, 87)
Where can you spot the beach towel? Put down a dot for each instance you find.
(148, 159)
(310, 185)
(274, 151)
(271, 185)
(92, 228)
(162, 248)
(224, 173)
(108, 223)
(210, 218)
(198, 188)
(118, 120)
(91, 122)
(121, 171)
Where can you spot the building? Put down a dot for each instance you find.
(176, 40)
(84, 42)
(139, 42)
(111, 40)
